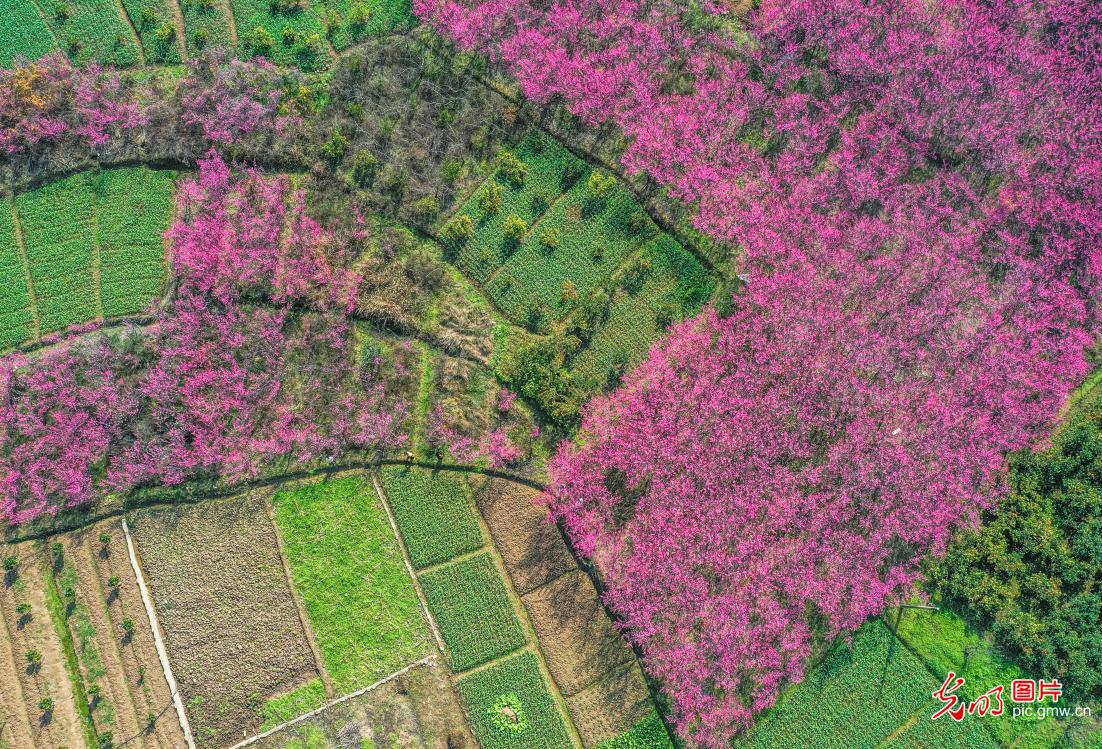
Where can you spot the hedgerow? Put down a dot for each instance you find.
(434, 514)
(471, 605)
(520, 681)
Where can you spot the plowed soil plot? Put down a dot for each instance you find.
(611, 706)
(114, 641)
(32, 660)
(533, 549)
(577, 637)
(416, 710)
(231, 627)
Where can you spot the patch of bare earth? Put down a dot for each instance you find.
(610, 706)
(533, 550)
(416, 710)
(135, 683)
(577, 638)
(229, 620)
(29, 633)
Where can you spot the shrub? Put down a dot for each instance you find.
(364, 168)
(425, 209)
(600, 185)
(336, 147)
(358, 19)
(148, 18)
(515, 227)
(260, 40)
(511, 167)
(549, 239)
(491, 198)
(46, 704)
(10, 563)
(459, 229)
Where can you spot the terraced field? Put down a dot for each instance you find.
(25, 32)
(93, 31)
(90, 246)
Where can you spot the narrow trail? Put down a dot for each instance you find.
(21, 245)
(133, 30)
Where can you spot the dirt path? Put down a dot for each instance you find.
(181, 39)
(162, 654)
(22, 246)
(60, 726)
(148, 687)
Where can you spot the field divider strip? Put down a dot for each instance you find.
(300, 606)
(133, 30)
(21, 245)
(455, 560)
(427, 660)
(162, 653)
(525, 648)
(409, 565)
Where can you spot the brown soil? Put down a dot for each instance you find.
(533, 549)
(418, 709)
(229, 620)
(611, 706)
(61, 727)
(576, 636)
(136, 679)
(16, 731)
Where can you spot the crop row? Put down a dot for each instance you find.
(92, 30)
(511, 708)
(471, 605)
(25, 32)
(434, 513)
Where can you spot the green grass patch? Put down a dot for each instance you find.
(279, 710)
(25, 32)
(291, 32)
(511, 707)
(58, 616)
(649, 733)
(132, 212)
(206, 25)
(58, 223)
(154, 20)
(92, 30)
(854, 699)
(471, 605)
(16, 321)
(435, 514)
(348, 568)
(946, 643)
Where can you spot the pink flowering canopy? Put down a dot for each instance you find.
(251, 362)
(916, 191)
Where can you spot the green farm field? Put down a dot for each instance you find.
(207, 24)
(511, 708)
(93, 249)
(434, 513)
(347, 567)
(288, 32)
(155, 22)
(471, 605)
(93, 31)
(858, 697)
(25, 32)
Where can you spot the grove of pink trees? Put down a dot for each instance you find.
(916, 192)
(251, 362)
